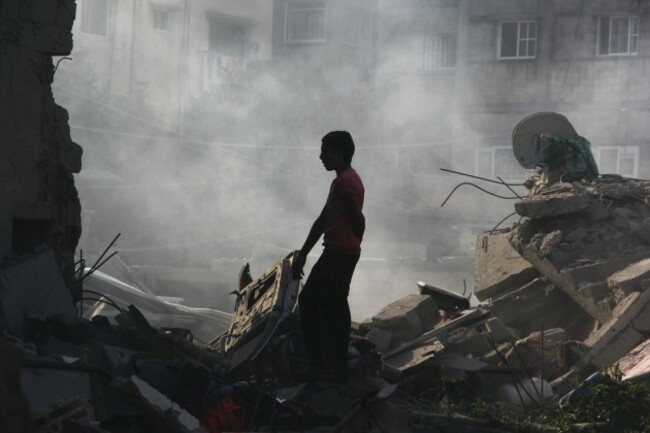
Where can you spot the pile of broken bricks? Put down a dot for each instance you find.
(563, 294)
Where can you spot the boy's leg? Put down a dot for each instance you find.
(310, 314)
(336, 316)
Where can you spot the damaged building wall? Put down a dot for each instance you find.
(39, 200)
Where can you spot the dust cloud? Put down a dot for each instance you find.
(237, 179)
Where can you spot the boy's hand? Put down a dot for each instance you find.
(297, 265)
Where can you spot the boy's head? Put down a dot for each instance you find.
(340, 141)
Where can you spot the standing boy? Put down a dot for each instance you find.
(324, 310)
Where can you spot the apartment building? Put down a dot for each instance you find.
(486, 64)
(162, 53)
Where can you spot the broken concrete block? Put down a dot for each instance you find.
(412, 314)
(642, 321)
(618, 336)
(628, 280)
(381, 338)
(625, 341)
(566, 281)
(558, 204)
(499, 267)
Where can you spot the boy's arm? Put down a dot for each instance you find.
(316, 231)
(358, 220)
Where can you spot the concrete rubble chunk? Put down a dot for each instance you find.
(410, 315)
(628, 280)
(555, 205)
(565, 281)
(499, 268)
(618, 336)
(381, 338)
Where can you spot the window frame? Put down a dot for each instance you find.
(245, 26)
(437, 37)
(519, 39)
(363, 12)
(629, 52)
(634, 150)
(322, 5)
(167, 13)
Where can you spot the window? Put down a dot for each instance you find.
(498, 161)
(228, 37)
(618, 36)
(306, 22)
(439, 52)
(94, 17)
(518, 40)
(160, 19)
(356, 26)
(623, 160)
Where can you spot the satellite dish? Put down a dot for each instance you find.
(527, 141)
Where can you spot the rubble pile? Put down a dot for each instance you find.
(563, 290)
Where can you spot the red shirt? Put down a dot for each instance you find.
(339, 235)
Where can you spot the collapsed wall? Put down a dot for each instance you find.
(579, 260)
(39, 202)
(38, 199)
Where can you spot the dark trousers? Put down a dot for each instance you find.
(324, 310)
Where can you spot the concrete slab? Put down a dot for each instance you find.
(541, 206)
(618, 336)
(628, 280)
(381, 338)
(499, 268)
(565, 281)
(411, 314)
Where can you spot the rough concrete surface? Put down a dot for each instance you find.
(628, 280)
(499, 267)
(556, 205)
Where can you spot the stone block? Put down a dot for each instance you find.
(618, 336)
(554, 205)
(628, 280)
(642, 321)
(381, 338)
(596, 291)
(499, 268)
(625, 341)
(412, 314)
(515, 308)
(600, 271)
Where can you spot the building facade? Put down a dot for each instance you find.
(159, 54)
(487, 64)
